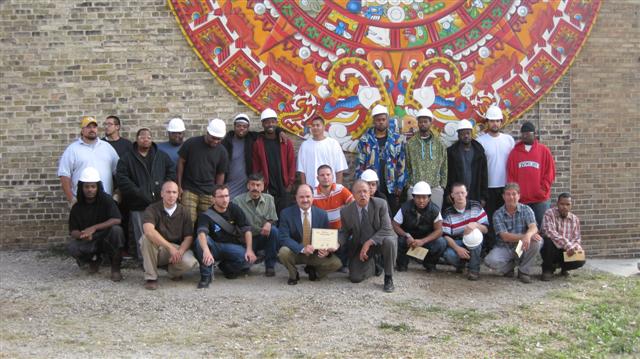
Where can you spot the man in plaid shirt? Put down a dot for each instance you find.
(514, 222)
(561, 233)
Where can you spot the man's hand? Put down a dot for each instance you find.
(87, 233)
(207, 258)
(571, 252)
(363, 252)
(266, 229)
(470, 227)
(525, 242)
(483, 203)
(176, 255)
(308, 250)
(179, 194)
(323, 253)
(462, 252)
(249, 256)
(413, 243)
(536, 237)
(289, 188)
(72, 202)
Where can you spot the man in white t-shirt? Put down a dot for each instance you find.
(320, 150)
(497, 147)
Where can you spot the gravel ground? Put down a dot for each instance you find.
(51, 308)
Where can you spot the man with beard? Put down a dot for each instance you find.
(275, 160)
(87, 151)
(467, 164)
(239, 145)
(260, 210)
(418, 223)
(427, 158)
(175, 133)
(320, 150)
(381, 148)
(561, 234)
(94, 224)
(202, 165)
(140, 176)
(497, 147)
(366, 229)
(224, 235)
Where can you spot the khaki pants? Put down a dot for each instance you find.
(323, 266)
(196, 203)
(154, 256)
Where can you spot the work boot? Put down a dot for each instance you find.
(151, 284)
(546, 276)
(473, 276)
(388, 284)
(116, 262)
(204, 282)
(524, 278)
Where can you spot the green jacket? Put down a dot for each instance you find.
(427, 161)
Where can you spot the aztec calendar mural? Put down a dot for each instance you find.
(337, 59)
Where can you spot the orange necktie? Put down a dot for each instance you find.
(306, 230)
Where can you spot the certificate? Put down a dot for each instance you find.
(577, 256)
(519, 249)
(324, 238)
(418, 252)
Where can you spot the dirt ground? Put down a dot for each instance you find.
(51, 308)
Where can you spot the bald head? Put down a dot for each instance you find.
(169, 194)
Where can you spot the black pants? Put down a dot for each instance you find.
(108, 242)
(552, 258)
(494, 201)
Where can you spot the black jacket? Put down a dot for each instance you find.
(418, 226)
(480, 183)
(249, 139)
(140, 186)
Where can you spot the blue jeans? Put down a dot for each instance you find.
(230, 257)
(473, 262)
(268, 244)
(435, 247)
(539, 209)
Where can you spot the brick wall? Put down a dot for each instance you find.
(64, 59)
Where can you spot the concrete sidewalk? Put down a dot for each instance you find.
(622, 267)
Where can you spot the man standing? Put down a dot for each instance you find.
(202, 165)
(112, 135)
(366, 221)
(175, 133)
(381, 148)
(320, 150)
(140, 176)
(296, 224)
(223, 235)
(459, 220)
(260, 210)
(497, 147)
(514, 222)
(239, 145)
(94, 224)
(167, 239)
(467, 164)
(275, 160)
(561, 233)
(87, 151)
(418, 223)
(427, 158)
(531, 165)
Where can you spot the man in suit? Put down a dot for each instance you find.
(368, 224)
(296, 223)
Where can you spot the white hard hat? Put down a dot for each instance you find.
(378, 110)
(425, 112)
(494, 113)
(175, 125)
(268, 113)
(421, 188)
(217, 128)
(89, 174)
(369, 176)
(464, 125)
(241, 117)
(473, 239)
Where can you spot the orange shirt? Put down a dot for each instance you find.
(332, 203)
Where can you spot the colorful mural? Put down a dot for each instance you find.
(337, 59)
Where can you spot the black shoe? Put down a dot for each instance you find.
(311, 271)
(204, 282)
(388, 284)
(294, 281)
(230, 275)
(269, 272)
(402, 268)
(379, 269)
(429, 267)
(94, 267)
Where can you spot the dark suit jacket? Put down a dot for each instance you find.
(290, 228)
(378, 216)
(478, 190)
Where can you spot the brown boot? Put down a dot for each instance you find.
(116, 261)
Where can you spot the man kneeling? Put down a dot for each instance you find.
(225, 235)
(94, 223)
(168, 235)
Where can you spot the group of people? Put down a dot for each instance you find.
(229, 199)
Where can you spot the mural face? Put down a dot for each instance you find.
(337, 59)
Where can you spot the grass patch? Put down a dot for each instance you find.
(399, 328)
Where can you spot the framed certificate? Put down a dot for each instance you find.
(324, 238)
(577, 256)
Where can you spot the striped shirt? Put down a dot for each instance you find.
(454, 220)
(564, 232)
(338, 197)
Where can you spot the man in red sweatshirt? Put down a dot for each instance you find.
(531, 165)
